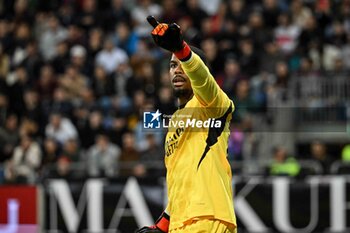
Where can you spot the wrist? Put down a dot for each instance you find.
(185, 53)
(163, 222)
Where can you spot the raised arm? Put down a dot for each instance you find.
(205, 88)
(203, 83)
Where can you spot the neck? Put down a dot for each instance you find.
(183, 100)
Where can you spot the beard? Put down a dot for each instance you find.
(183, 93)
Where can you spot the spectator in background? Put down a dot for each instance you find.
(102, 84)
(140, 12)
(102, 157)
(270, 57)
(339, 69)
(61, 58)
(235, 144)
(214, 58)
(9, 137)
(17, 82)
(248, 58)
(71, 150)
(152, 155)
(32, 108)
(259, 34)
(79, 60)
(92, 127)
(46, 83)
(28, 127)
(87, 100)
(311, 33)
(60, 128)
(218, 17)
(323, 11)
(204, 32)
(75, 35)
(25, 161)
(307, 69)
(110, 57)
(282, 164)
(144, 53)
(197, 14)
(73, 82)
(21, 12)
(143, 79)
(337, 35)
(286, 34)
(259, 85)
(59, 103)
(51, 36)
(166, 102)
(20, 41)
(330, 53)
(63, 169)
(237, 11)
(65, 13)
(277, 91)
(210, 7)
(186, 24)
(228, 37)
(171, 12)
(116, 13)
(300, 13)
(51, 151)
(231, 76)
(244, 103)
(344, 12)
(86, 104)
(5, 35)
(270, 13)
(319, 154)
(282, 75)
(33, 61)
(121, 76)
(311, 87)
(131, 157)
(4, 63)
(154, 151)
(3, 109)
(89, 16)
(125, 38)
(117, 129)
(94, 44)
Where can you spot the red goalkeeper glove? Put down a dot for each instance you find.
(169, 37)
(161, 226)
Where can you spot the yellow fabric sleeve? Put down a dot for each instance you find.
(205, 88)
(203, 83)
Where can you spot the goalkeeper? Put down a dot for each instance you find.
(198, 172)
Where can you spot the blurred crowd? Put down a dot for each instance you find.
(77, 75)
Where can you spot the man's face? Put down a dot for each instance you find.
(179, 80)
(55, 120)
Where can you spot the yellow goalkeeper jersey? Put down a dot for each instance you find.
(198, 172)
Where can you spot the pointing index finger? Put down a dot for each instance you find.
(151, 20)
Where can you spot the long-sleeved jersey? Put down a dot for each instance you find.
(199, 176)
